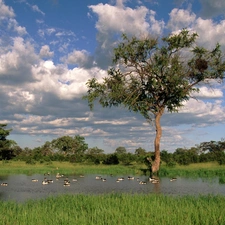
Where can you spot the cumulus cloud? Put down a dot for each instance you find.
(79, 58)
(6, 11)
(115, 20)
(180, 18)
(212, 8)
(45, 52)
(16, 62)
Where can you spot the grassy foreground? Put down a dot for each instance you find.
(115, 209)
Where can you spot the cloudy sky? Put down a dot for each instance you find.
(50, 48)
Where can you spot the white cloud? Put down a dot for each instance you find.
(117, 19)
(36, 9)
(207, 92)
(212, 8)
(180, 18)
(5, 11)
(45, 52)
(16, 62)
(80, 58)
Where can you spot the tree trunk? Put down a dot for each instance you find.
(156, 163)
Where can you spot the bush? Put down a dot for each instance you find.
(30, 161)
(171, 163)
(111, 160)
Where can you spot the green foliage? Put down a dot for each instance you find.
(30, 161)
(6, 146)
(120, 150)
(111, 159)
(153, 75)
(140, 151)
(70, 145)
(126, 158)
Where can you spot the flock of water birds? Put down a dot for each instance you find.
(67, 181)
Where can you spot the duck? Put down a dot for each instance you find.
(173, 179)
(58, 175)
(98, 177)
(74, 180)
(103, 179)
(153, 180)
(4, 184)
(130, 178)
(120, 178)
(44, 182)
(34, 180)
(142, 182)
(50, 181)
(82, 176)
(66, 184)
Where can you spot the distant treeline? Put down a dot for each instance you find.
(76, 150)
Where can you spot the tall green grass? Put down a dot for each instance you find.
(116, 209)
(20, 167)
(195, 170)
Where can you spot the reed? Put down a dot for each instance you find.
(116, 209)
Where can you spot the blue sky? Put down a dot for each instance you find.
(50, 48)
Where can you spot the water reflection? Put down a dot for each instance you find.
(21, 188)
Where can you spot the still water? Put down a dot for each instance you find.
(21, 188)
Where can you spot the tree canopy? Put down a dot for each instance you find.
(151, 75)
(70, 145)
(5, 144)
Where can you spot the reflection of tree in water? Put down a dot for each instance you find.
(156, 188)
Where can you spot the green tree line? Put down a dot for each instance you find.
(76, 150)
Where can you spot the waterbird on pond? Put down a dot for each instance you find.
(58, 175)
(153, 180)
(34, 180)
(4, 184)
(120, 178)
(98, 177)
(173, 179)
(82, 176)
(103, 179)
(50, 181)
(130, 178)
(44, 182)
(66, 184)
(142, 182)
(74, 180)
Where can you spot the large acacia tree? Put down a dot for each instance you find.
(152, 75)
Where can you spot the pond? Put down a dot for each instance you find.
(21, 187)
